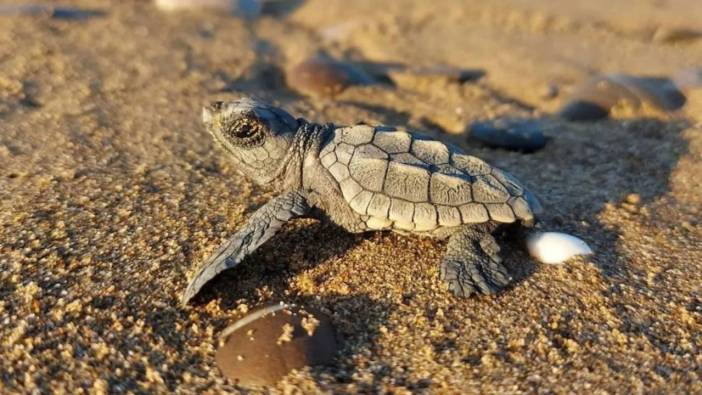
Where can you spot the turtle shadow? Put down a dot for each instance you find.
(649, 167)
(601, 175)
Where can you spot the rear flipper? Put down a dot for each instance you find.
(472, 264)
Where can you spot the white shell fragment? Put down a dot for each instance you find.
(244, 8)
(555, 247)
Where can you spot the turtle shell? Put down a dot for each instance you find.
(398, 180)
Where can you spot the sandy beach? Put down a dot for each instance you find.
(111, 192)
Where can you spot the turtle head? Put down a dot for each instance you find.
(257, 135)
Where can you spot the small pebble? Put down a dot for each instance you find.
(513, 134)
(549, 91)
(265, 345)
(687, 226)
(555, 247)
(596, 98)
(321, 76)
(633, 198)
(244, 8)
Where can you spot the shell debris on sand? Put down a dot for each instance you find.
(555, 247)
(267, 344)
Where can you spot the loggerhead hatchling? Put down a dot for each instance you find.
(366, 178)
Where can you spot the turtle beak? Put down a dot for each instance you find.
(208, 112)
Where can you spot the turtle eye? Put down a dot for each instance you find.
(246, 131)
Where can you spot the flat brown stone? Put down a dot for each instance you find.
(267, 344)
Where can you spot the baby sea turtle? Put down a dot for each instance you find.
(366, 178)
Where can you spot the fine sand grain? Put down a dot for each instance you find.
(111, 192)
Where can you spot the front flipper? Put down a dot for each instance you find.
(260, 227)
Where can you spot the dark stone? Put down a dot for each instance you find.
(577, 110)
(267, 344)
(658, 91)
(512, 134)
(70, 13)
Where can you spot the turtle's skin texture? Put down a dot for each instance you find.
(366, 178)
